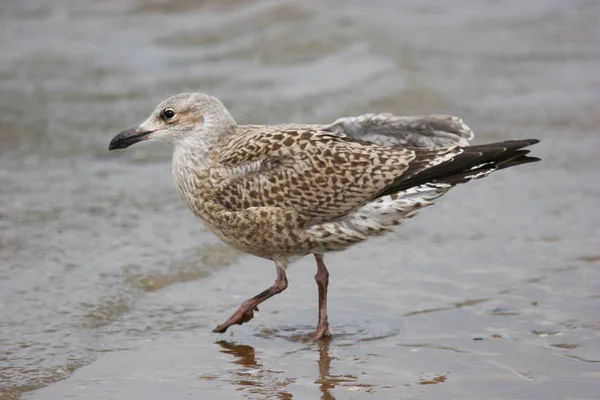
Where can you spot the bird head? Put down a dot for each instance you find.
(183, 119)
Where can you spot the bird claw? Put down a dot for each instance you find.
(238, 318)
(219, 329)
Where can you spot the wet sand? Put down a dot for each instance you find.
(109, 287)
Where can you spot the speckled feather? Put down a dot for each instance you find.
(271, 188)
(284, 191)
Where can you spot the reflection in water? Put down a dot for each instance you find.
(251, 376)
(246, 355)
(325, 379)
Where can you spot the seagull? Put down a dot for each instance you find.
(282, 192)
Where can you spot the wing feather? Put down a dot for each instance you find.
(428, 131)
(321, 175)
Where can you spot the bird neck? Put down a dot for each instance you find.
(190, 169)
(199, 152)
(192, 160)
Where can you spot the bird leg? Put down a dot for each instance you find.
(246, 311)
(322, 279)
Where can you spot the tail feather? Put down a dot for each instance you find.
(473, 163)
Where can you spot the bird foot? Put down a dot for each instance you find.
(241, 316)
(321, 332)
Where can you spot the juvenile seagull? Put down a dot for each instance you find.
(285, 191)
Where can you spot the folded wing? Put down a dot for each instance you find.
(321, 175)
(428, 131)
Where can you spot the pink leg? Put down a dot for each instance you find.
(246, 311)
(322, 279)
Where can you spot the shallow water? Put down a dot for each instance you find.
(109, 287)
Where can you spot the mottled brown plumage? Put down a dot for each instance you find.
(284, 191)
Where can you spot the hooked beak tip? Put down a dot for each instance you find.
(128, 137)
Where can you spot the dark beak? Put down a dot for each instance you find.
(127, 138)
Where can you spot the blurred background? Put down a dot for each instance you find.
(109, 287)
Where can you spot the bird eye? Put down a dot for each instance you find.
(168, 113)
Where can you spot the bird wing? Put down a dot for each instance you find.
(321, 175)
(428, 131)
